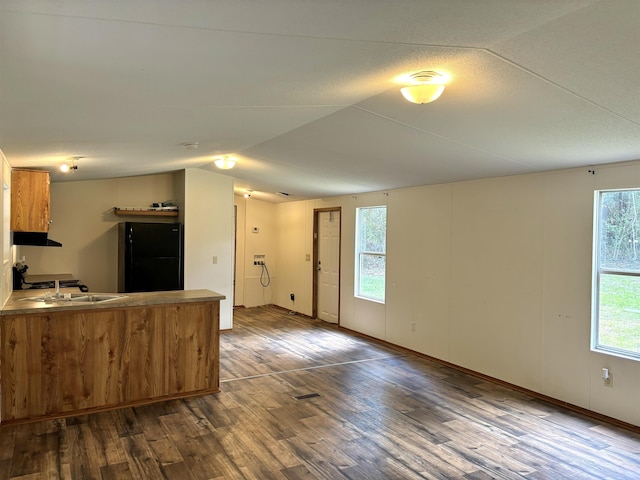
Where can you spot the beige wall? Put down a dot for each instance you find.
(240, 260)
(261, 215)
(8, 251)
(208, 233)
(495, 274)
(294, 230)
(84, 222)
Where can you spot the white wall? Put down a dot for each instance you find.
(495, 274)
(497, 257)
(209, 232)
(419, 267)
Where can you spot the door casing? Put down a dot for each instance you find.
(316, 216)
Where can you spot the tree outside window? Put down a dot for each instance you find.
(371, 247)
(616, 302)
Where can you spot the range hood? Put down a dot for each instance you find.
(38, 239)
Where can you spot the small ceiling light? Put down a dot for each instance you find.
(191, 145)
(70, 166)
(225, 163)
(427, 87)
(247, 195)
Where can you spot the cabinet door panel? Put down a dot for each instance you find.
(192, 341)
(143, 363)
(21, 369)
(30, 201)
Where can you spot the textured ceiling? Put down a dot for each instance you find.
(305, 93)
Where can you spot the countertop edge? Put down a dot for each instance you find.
(17, 305)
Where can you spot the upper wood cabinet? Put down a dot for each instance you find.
(30, 201)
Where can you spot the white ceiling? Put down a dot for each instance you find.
(305, 92)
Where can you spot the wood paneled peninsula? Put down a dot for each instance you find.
(75, 357)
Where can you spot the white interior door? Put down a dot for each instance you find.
(328, 268)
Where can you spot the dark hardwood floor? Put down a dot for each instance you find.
(366, 411)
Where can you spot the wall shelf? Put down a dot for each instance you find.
(147, 212)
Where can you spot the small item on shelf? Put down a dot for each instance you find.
(166, 205)
(151, 211)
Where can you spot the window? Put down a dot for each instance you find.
(371, 248)
(616, 279)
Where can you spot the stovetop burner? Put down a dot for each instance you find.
(51, 284)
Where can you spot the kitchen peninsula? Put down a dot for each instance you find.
(62, 358)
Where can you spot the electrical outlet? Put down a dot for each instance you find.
(413, 326)
(292, 297)
(215, 259)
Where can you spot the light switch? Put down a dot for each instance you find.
(215, 259)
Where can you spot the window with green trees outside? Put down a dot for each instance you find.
(616, 280)
(371, 247)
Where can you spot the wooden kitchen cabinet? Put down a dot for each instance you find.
(30, 201)
(76, 362)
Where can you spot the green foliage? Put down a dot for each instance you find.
(372, 286)
(372, 246)
(620, 229)
(373, 229)
(619, 315)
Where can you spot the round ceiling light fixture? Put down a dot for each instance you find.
(225, 162)
(427, 87)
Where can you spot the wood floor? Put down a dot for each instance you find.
(366, 412)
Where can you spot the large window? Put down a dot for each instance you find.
(616, 284)
(371, 248)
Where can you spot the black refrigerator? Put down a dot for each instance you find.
(150, 257)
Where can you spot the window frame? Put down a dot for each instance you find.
(597, 272)
(360, 253)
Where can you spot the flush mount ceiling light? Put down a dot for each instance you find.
(225, 163)
(70, 166)
(427, 87)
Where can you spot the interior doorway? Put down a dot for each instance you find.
(326, 258)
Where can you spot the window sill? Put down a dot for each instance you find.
(616, 353)
(374, 300)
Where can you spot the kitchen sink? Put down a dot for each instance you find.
(75, 298)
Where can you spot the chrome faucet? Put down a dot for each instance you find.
(57, 284)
